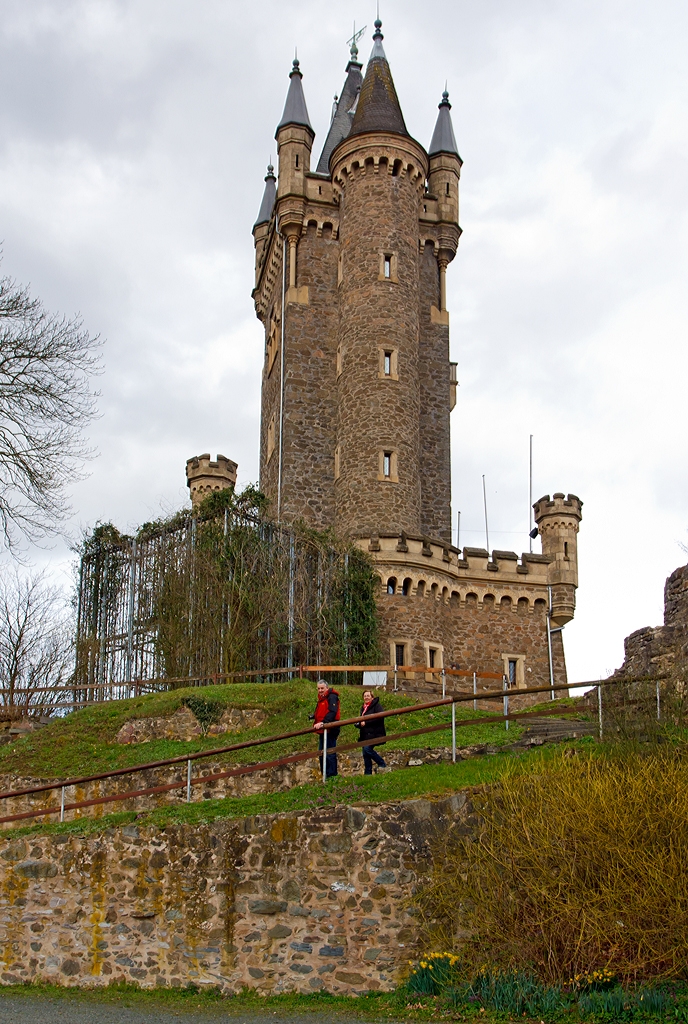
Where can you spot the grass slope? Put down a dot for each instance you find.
(405, 784)
(84, 742)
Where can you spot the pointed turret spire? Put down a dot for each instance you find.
(295, 111)
(343, 110)
(268, 201)
(443, 140)
(378, 107)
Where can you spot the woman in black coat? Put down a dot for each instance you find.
(371, 731)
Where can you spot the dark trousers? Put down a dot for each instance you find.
(370, 754)
(331, 757)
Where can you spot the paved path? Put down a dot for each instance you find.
(32, 1010)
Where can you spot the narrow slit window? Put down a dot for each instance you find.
(399, 654)
(566, 549)
(431, 657)
(297, 159)
(512, 672)
(447, 188)
(388, 267)
(388, 364)
(387, 464)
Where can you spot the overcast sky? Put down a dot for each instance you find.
(134, 136)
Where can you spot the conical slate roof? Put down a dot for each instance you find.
(268, 201)
(295, 111)
(378, 107)
(344, 114)
(443, 140)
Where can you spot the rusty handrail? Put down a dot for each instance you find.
(261, 741)
(278, 762)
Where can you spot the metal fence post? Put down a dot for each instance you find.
(453, 733)
(324, 755)
(658, 708)
(188, 781)
(506, 706)
(599, 707)
(62, 802)
(444, 683)
(395, 677)
(475, 690)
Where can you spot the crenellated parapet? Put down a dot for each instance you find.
(205, 475)
(558, 521)
(420, 566)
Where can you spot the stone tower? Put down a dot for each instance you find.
(350, 265)
(203, 475)
(357, 388)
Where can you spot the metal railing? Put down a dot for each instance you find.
(282, 761)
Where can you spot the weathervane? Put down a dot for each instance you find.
(354, 39)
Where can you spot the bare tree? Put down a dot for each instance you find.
(46, 365)
(35, 641)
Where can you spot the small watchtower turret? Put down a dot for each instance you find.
(558, 520)
(204, 476)
(261, 229)
(295, 137)
(444, 171)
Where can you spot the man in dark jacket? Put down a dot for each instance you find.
(327, 710)
(370, 731)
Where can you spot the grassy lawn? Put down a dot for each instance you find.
(83, 742)
(390, 1006)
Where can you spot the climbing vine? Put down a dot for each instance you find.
(220, 589)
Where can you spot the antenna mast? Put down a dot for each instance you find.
(487, 535)
(530, 493)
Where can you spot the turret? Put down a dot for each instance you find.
(443, 185)
(378, 174)
(204, 476)
(558, 521)
(261, 229)
(294, 144)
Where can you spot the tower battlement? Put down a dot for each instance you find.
(558, 521)
(204, 475)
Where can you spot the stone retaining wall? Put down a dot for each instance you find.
(299, 902)
(269, 781)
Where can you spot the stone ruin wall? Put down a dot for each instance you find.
(311, 901)
(657, 650)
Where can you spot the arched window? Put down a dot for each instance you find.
(471, 600)
(420, 589)
(406, 586)
(489, 601)
(392, 585)
(505, 604)
(523, 605)
(539, 605)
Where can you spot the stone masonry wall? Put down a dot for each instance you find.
(272, 780)
(474, 636)
(657, 650)
(301, 902)
(310, 388)
(433, 366)
(378, 215)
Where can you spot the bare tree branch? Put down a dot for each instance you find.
(35, 640)
(46, 365)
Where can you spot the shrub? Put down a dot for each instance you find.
(579, 865)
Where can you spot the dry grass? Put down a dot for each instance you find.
(579, 864)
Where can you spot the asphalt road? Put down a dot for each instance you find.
(31, 1010)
